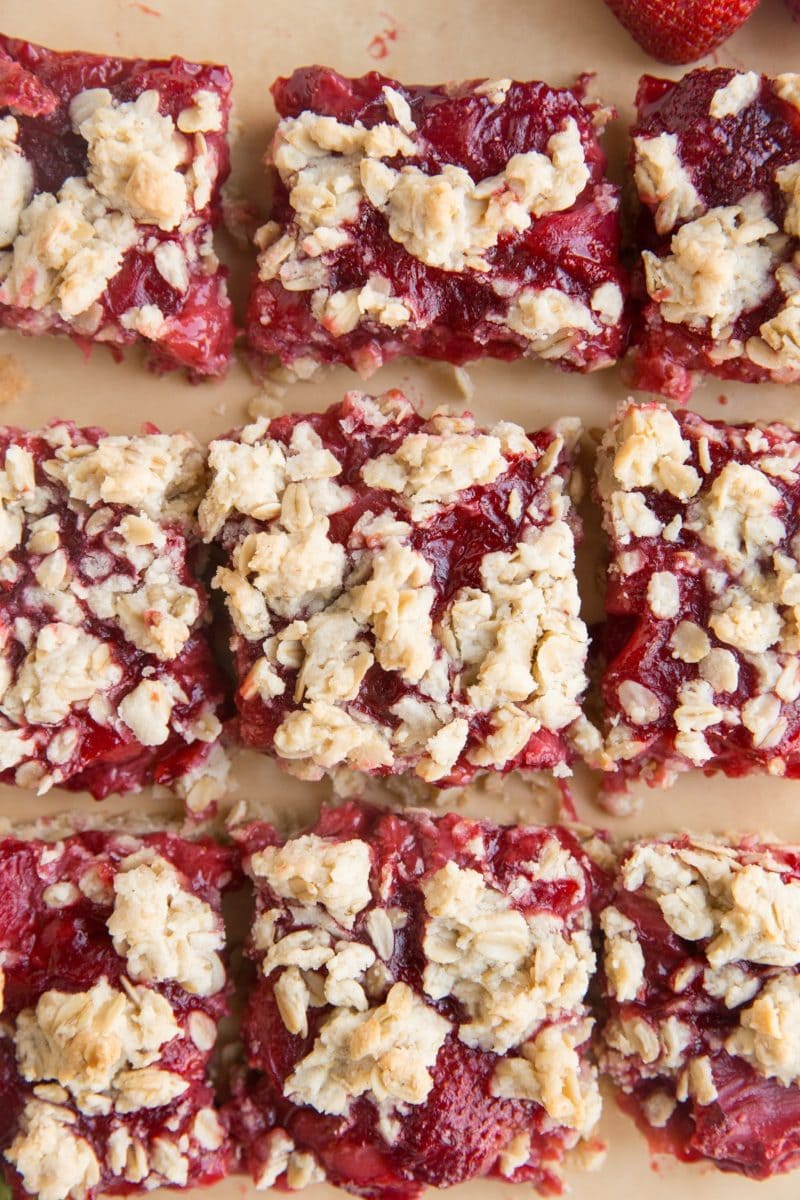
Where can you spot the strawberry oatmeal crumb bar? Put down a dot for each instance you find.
(112, 986)
(716, 162)
(420, 1013)
(402, 591)
(452, 222)
(702, 991)
(107, 682)
(110, 177)
(702, 644)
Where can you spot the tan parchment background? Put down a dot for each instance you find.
(418, 41)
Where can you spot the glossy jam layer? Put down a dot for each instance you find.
(36, 86)
(459, 315)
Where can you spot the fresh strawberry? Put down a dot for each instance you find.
(680, 31)
(794, 8)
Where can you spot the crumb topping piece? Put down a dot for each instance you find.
(134, 153)
(164, 931)
(54, 1162)
(663, 181)
(100, 1045)
(158, 474)
(509, 972)
(16, 180)
(767, 1034)
(386, 1052)
(434, 468)
(623, 955)
(736, 95)
(720, 265)
(313, 871)
(750, 914)
(549, 1071)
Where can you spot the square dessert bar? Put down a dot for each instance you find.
(106, 676)
(420, 1013)
(717, 166)
(402, 591)
(452, 222)
(702, 645)
(111, 172)
(112, 985)
(701, 983)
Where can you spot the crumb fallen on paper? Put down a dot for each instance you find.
(266, 404)
(274, 385)
(464, 383)
(240, 216)
(13, 379)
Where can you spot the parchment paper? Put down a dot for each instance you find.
(417, 41)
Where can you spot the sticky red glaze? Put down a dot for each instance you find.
(37, 85)
(636, 642)
(459, 1131)
(70, 950)
(106, 760)
(727, 159)
(575, 250)
(753, 1127)
(453, 542)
